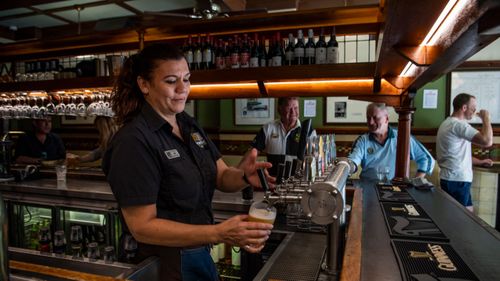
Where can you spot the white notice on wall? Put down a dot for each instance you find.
(309, 108)
(430, 98)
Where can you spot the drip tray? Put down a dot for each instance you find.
(393, 193)
(430, 261)
(410, 221)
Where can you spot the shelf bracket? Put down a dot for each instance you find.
(421, 55)
(377, 81)
(140, 34)
(262, 89)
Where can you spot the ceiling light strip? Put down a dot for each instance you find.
(439, 21)
(447, 17)
(449, 21)
(229, 85)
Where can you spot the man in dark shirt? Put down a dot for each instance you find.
(40, 144)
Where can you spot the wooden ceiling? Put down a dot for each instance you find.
(400, 26)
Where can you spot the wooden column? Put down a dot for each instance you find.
(403, 148)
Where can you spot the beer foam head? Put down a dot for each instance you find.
(263, 214)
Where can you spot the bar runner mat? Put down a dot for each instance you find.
(410, 221)
(430, 261)
(393, 193)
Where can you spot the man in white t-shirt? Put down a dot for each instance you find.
(453, 148)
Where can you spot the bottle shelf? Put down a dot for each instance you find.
(241, 75)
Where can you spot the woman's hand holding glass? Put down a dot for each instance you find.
(249, 235)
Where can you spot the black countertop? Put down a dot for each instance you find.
(477, 243)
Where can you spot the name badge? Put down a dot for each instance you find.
(274, 136)
(297, 138)
(172, 154)
(198, 139)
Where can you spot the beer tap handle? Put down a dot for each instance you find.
(288, 167)
(280, 175)
(294, 167)
(263, 182)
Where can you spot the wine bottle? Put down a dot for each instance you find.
(299, 48)
(219, 55)
(227, 53)
(44, 240)
(262, 52)
(269, 57)
(197, 55)
(310, 47)
(244, 52)
(277, 58)
(254, 53)
(207, 54)
(236, 261)
(188, 50)
(33, 238)
(332, 49)
(289, 50)
(214, 253)
(59, 247)
(235, 53)
(321, 49)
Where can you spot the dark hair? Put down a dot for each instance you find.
(461, 100)
(284, 100)
(127, 98)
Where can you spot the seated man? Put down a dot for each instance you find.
(280, 138)
(40, 144)
(377, 148)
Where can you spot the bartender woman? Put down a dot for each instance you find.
(163, 170)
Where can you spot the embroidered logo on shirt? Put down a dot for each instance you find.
(297, 137)
(172, 153)
(370, 150)
(198, 139)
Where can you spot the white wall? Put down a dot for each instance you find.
(490, 52)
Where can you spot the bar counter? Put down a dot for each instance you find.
(477, 243)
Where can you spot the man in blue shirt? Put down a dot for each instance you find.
(377, 148)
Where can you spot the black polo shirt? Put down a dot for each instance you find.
(146, 163)
(51, 149)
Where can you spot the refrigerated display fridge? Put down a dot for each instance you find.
(27, 220)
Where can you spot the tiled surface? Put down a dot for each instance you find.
(484, 194)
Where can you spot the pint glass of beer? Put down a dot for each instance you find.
(262, 212)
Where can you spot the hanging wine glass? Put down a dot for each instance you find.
(61, 106)
(51, 108)
(81, 108)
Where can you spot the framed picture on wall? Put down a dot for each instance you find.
(190, 108)
(253, 111)
(343, 110)
(484, 85)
